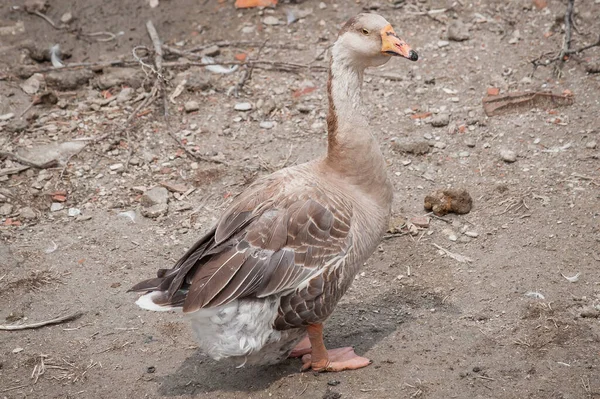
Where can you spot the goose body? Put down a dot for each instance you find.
(286, 250)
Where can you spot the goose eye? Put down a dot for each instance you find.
(364, 31)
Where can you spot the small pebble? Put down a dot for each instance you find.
(440, 144)
(443, 43)
(472, 234)
(66, 18)
(464, 154)
(56, 206)
(6, 209)
(191, 106)
(271, 20)
(72, 212)
(242, 107)
(452, 237)
(27, 213)
(469, 142)
(440, 120)
(508, 156)
(117, 167)
(267, 125)
(591, 145)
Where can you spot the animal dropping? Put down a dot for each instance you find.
(447, 201)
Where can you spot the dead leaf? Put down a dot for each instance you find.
(255, 3)
(540, 4)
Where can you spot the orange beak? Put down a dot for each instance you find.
(393, 45)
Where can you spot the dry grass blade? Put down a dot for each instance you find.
(457, 257)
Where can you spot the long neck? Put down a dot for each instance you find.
(352, 150)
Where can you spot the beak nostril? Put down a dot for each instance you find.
(413, 56)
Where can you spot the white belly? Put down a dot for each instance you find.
(243, 330)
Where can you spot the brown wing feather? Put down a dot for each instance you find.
(266, 243)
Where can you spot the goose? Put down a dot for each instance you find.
(259, 285)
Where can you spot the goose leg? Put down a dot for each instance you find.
(302, 348)
(322, 359)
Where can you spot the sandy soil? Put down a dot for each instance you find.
(507, 324)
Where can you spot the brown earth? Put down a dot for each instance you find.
(434, 327)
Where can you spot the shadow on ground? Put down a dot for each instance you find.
(362, 325)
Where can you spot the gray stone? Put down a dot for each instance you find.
(52, 152)
(69, 80)
(155, 210)
(591, 145)
(271, 20)
(66, 18)
(508, 156)
(117, 167)
(469, 142)
(111, 77)
(243, 107)
(72, 212)
(197, 79)
(56, 206)
(440, 144)
(191, 106)
(211, 51)
(458, 32)
(125, 95)
(443, 43)
(464, 154)
(155, 196)
(412, 147)
(27, 213)
(440, 120)
(6, 209)
(267, 125)
(32, 85)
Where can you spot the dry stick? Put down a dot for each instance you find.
(14, 388)
(158, 56)
(579, 50)
(226, 43)
(567, 39)
(285, 66)
(13, 171)
(74, 65)
(57, 320)
(158, 63)
(45, 18)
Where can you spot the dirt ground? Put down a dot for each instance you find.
(506, 323)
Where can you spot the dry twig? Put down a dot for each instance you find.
(56, 320)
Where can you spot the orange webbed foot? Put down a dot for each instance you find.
(339, 359)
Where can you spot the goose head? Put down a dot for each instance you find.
(369, 40)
